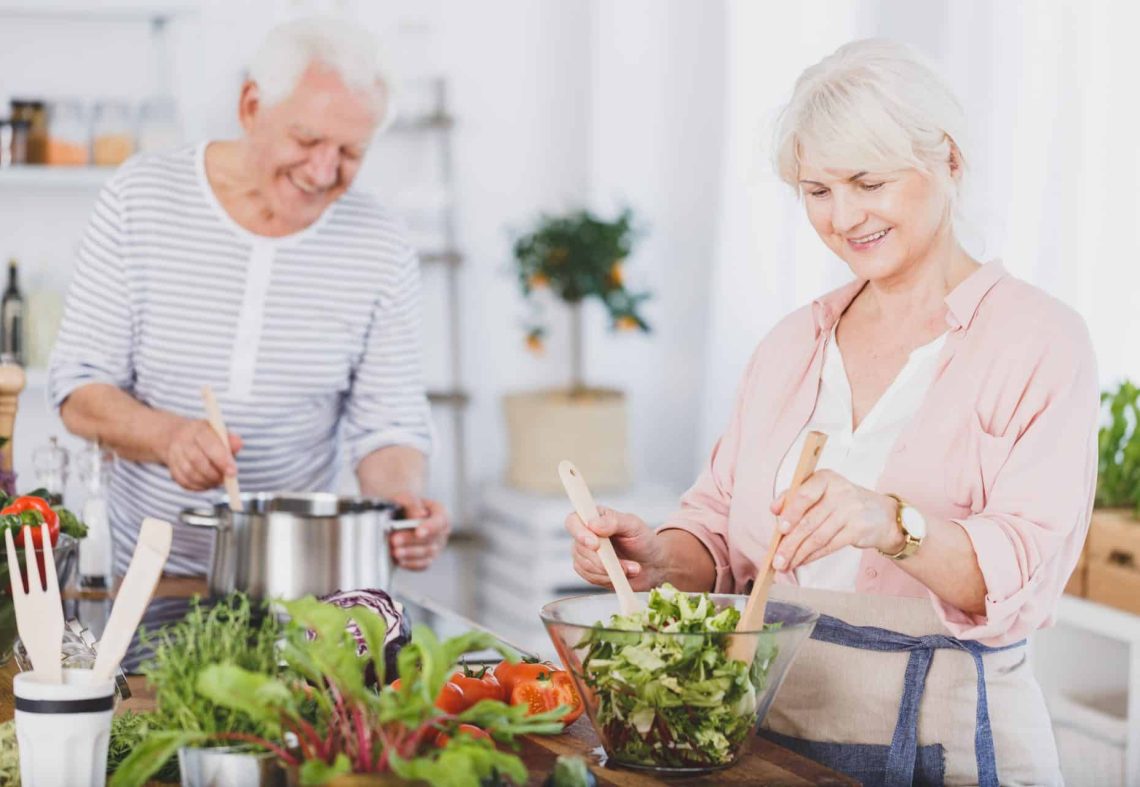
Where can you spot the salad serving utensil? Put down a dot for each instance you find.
(39, 611)
(587, 510)
(752, 619)
(214, 416)
(134, 594)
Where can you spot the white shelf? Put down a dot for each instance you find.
(1112, 623)
(37, 176)
(95, 11)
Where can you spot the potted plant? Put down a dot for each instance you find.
(1111, 560)
(573, 257)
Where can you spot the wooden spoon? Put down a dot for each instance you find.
(214, 416)
(584, 506)
(744, 648)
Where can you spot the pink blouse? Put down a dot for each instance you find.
(1004, 443)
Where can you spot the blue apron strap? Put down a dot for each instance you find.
(983, 734)
(904, 742)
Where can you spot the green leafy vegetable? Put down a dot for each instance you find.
(9, 755)
(570, 772)
(668, 694)
(129, 731)
(232, 631)
(1118, 476)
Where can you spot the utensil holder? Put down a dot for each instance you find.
(63, 729)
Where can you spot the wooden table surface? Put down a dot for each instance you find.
(764, 763)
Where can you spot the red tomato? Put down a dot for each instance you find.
(464, 729)
(40, 506)
(477, 686)
(547, 693)
(510, 674)
(450, 699)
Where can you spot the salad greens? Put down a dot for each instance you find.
(669, 699)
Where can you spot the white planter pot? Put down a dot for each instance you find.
(545, 427)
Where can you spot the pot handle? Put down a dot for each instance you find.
(202, 517)
(222, 571)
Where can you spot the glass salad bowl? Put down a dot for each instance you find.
(660, 689)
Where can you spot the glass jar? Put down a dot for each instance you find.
(50, 463)
(158, 125)
(112, 134)
(69, 134)
(34, 113)
(13, 142)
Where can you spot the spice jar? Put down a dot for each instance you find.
(68, 134)
(113, 134)
(13, 142)
(35, 115)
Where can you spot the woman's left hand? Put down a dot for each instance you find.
(827, 513)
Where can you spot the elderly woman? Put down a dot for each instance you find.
(952, 498)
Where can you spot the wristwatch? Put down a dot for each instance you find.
(913, 527)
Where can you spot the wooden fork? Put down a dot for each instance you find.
(39, 611)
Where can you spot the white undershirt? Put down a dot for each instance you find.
(858, 456)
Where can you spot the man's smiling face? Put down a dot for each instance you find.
(307, 148)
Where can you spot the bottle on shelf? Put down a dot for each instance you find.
(12, 318)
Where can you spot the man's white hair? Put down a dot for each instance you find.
(871, 105)
(349, 50)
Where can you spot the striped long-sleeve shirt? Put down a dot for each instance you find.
(311, 341)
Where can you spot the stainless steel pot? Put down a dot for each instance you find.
(291, 545)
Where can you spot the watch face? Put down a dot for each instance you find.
(913, 522)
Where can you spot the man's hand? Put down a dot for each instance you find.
(197, 457)
(416, 549)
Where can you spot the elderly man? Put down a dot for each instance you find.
(251, 265)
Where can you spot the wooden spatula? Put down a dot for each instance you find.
(586, 509)
(133, 596)
(744, 648)
(214, 416)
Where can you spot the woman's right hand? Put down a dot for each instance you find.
(641, 553)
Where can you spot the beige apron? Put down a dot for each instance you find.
(839, 694)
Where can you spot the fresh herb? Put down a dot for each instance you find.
(320, 699)
(570, 772)
(128, 731)
(231, 631)
(9, 755)
(667, 692)
(1118, 476)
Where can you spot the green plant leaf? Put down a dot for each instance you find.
(150, 755)
(320, 772)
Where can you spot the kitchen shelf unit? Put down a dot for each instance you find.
(1088, 665)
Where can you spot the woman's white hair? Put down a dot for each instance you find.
(349, 50)
(871, 105)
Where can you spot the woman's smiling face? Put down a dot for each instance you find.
(879, 222)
